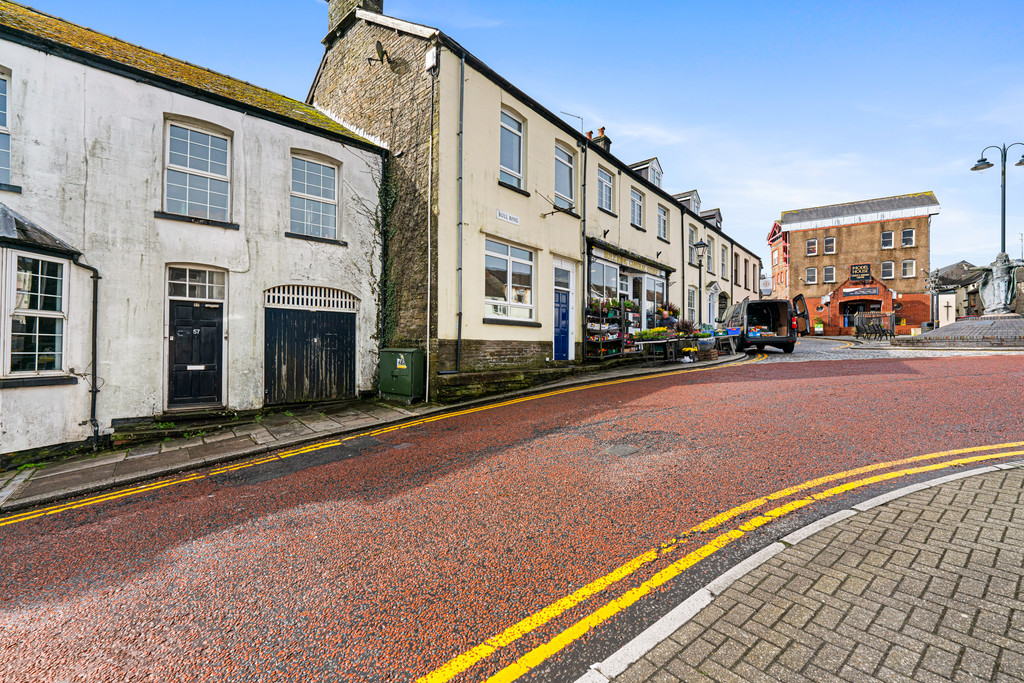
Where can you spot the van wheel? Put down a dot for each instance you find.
(788, 348)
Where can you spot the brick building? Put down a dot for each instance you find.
(858, 257)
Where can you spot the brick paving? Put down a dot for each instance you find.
(927, 587)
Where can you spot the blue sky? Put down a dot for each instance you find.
(763, 107)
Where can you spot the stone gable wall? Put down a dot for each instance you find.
(391, 101)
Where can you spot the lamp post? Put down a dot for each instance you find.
(701, 248)
(983, 164)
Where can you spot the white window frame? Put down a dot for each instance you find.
(655, 176)
(8, 294)
(208, 287)
(518, 177)
(890, 234)
(636, 208)
(903, 237)
(5, 130)
(662, 222)
(711, 255)
(605, 190)
(775, 257)
(692, 239)
(168, 166)
(531, 308)
(913, 268)
(723, 266)
(892, 270)
(301, 195)
(568, 200)
(831, 240)
(828, 274)
(691, 304)
(810, 276)
(812, 247)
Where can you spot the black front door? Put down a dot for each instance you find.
(196, 344)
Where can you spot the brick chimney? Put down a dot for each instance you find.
(602, 140)
(339, 9)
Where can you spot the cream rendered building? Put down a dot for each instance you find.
(507, 219)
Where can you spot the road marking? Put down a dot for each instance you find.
(542, 653)
(234, 467)
(467, 659)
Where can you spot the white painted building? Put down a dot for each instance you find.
(232, 229)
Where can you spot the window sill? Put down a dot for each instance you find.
(196, 221)
(514, 188)
(638, 227)
(313, 238)
(663, 239)
(567, 212)
(604, 210)
(4, 187)
(21, 382)
(513, 323)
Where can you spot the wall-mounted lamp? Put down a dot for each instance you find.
(382, 55)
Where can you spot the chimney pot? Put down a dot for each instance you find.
(600, 131)
(590, 135)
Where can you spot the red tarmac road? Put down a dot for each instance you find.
(385, 558)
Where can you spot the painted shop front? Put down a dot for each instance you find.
(616, 274)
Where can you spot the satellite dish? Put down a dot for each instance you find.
(380, 52)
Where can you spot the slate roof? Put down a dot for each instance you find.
(903, 201)
(957, 275)
(18, 19)
(18, 230)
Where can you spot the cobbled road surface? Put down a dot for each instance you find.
(522, 541)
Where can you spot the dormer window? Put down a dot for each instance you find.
(655, 176)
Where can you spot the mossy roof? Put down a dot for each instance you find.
(56, 31)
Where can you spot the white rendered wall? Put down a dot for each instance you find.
(88, 151)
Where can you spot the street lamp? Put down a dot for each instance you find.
(701, 248)
(984, 163)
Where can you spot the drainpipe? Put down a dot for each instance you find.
(95, 327)
(583, 250)
(430, 208)
(462, 108)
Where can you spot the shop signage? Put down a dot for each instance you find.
(628, 262)
(860, 271)
(860, 291)
(507, 217)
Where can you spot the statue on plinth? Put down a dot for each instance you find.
(998, 284)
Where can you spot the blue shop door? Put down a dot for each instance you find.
(561, 351)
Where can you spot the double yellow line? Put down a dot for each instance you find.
(235, 466)
(540, 654)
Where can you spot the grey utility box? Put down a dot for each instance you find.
(402, 375)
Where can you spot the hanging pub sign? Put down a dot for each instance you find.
(860, 271)
(860, 291)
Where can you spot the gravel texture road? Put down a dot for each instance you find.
(385, 558)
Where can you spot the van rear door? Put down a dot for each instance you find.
(803, 318)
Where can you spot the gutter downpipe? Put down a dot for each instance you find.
(584, 250)
(96, 277)
(430, 208)
(462, 106)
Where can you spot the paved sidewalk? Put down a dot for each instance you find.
(72, 477)
(928, 587)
